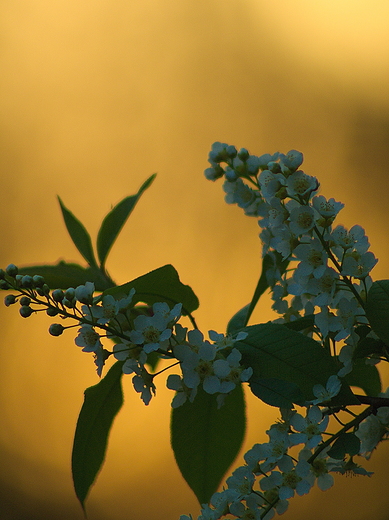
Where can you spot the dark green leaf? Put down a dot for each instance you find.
(276, 392)
(274, 351)
(161, 285)
(115, 220)
(347, 443)
(79, 235)
(377, 309)
(102, 402)
(238, 320)
(241, 318)
(64, 275)
(206, 440)
(368, 346)
(366, 377)
(306, 322)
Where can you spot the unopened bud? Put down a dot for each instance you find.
(27, 282)
(38, 280)
(243, 154)
(9, 300)
(56, 329)
(52, 311)
(58, 295)
(11, 270)
(25, 311)
(25, 301)
(70, 294)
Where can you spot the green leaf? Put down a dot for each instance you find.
(115, 220)
(368, 346)
(346, 443)
(366, 377)
(274, 351)
(161, 285)
(306, 322)
(242, 317)
(206, 440)
(238, 320)
(64, 275)
(377, 309)
(78, 234)
(276, 392)
(102, 402)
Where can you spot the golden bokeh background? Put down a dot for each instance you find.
(95, 97)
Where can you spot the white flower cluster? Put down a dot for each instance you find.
(328, 276)
(215, 366)
(271, 476)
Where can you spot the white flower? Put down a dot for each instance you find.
(332, 389)
(326, 208)
(104, 312)
(324, 288)
(354, 238)
(144, 385)
(291, 161)
(88, 338)
(326, 321)
(283, 241)
(167, 314)
(274, 214)
(223, 341)
(175, 382)
(369, 433)
(241, 481)
(270, 184)
(238, 192)
(310, 427)
(84, 293)
(302, 220)
(150, 331)
(313, 258)
(358, 265)
(301, 184)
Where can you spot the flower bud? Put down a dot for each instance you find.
(58, 295)
(25, 301)
(231, 151)
(231, 175)
(27, 282)
(56, 329)
(11, 270)
(38, 280)
(9, 300)
(243, 154)
(52, 311)
(4, 285)
(45, 289)
(70, 294)
(2, 274)
(25, 311)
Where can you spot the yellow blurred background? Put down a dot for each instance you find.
(95, 97)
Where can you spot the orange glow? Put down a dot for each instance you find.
(95, 97)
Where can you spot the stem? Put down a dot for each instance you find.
(338, 266)
(347, 427)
